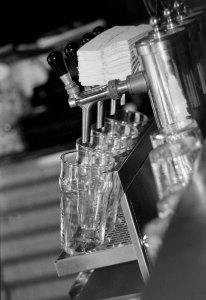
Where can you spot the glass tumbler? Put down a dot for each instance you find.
(137, 119)
(111, 142)
(102, 153)
(187, 130)
(85, 190)
(172, 164)
(126, 131)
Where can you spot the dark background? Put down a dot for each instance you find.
(24, 21)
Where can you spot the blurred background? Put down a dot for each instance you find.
(41, 117)
(36, 126)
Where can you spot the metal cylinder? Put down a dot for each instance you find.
(197, 54)
(172, 89)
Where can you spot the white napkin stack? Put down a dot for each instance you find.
(110, 55)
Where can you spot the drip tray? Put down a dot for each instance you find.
(117, 249)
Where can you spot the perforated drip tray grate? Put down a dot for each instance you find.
(117, 249)
(119, 235)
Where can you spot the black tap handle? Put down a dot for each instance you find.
(86, 38)
(56, 61)
(70, 51)
(99, 29)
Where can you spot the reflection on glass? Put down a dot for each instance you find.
(86, 191)
(172, 159)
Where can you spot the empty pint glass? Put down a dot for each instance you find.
(126, 131)
(99, 152)
(110, 142)
(137, 119)
(86, 189)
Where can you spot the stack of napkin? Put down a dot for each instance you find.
(110, 55)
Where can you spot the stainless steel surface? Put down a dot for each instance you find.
(113, 107)
(67, 80)
(122, 100)
(137, 241)
(100, 114)
(166, 62)
(123, 280)
(86, 123)
(92, 95)
(116, 249)
(134, 84)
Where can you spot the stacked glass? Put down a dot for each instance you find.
(117, 148)
(86, 181)
(118, 136)
(90, 185)
(175, 149)
(137, 119)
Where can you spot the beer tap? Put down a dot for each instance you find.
(97, 30)
(100, 105)
(166, 74)
(87, 37)
(56, 61)
(122, 100)
(135, 83)
(70, 51)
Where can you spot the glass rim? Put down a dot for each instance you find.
(176, 127)
(115, 134)
(91, 148)
(76, 164)
(126, 111)
(119, 122)
(182, 125)
(112, 134)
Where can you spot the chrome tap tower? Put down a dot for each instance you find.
(174, 80)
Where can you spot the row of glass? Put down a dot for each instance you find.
(90, 185)
(175, 149)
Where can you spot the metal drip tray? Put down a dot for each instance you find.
(117, 249)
